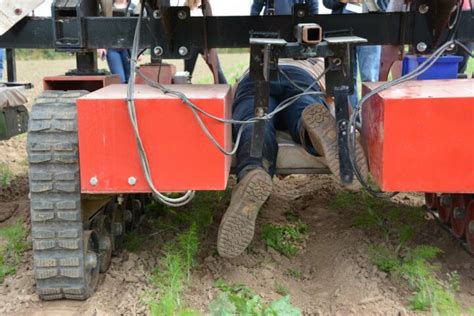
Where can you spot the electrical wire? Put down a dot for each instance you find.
(357, 110)
(173, 202)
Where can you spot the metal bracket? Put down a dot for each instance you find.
(341, 94)
(264, 54)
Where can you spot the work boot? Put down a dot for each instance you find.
(320, 125)
(238, 224)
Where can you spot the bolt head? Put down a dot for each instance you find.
(158, 50)
(421, 47)
(94, 181)
(156, 14)
(183, 51)
(423, 9)
(300, 13)
(18, 11)
(132, 180)
(182, 15)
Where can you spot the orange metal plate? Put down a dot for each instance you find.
(419, 136)
(180, 155)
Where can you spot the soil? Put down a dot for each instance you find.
(336, 274)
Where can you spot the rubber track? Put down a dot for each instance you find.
(57, 228)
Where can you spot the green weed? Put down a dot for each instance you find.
(281, 289)
(295, 273)
(133, 241)
(239, 300)
(384, 259)
(286, 239)
(5, 176)
(12, 244)
(174, 268)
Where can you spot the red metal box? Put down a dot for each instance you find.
(180, 155)
(419, 136)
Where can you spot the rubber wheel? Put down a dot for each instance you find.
(445, 207)
(432, 201)
(458, 216)
(470, 226)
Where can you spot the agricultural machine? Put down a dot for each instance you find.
(97, 149)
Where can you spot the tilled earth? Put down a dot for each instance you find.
(337, 276)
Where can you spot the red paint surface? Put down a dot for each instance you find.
(165, 72)
(419, 136)
(180, 155)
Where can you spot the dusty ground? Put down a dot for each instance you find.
(337, 276)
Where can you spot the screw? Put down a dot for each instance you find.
(182, 14)
(158, 50)
(421, 47)
(132, 180)
(300, 13)
(93, 181)
(156, 14)
(183, 50)
(423, 9)
(18, 11)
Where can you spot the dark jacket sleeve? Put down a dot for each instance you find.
(257, 7)
(334, 5)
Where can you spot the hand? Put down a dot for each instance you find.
(193, 4)
(102, 53)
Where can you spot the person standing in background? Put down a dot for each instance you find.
(118, 59)
(367, 59)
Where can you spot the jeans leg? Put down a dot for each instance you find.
(114, 60)
(353, 98)
(2, 57)
(125, 55)
(290, 118)
(369, 62)
(243, 109)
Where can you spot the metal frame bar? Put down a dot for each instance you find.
(228, 32)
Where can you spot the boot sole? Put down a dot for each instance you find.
(321, 128)
(237, 227)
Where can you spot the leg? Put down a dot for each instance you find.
(290, 118)
(243, 110)
(368, 58)
(2, 56)
(255, 183)
(125, 56)
(114, 60)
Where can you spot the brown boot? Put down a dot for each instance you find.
(321, 128)
(238, 224)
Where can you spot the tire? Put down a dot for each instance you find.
(64, 266)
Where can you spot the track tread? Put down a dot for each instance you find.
(57, 228)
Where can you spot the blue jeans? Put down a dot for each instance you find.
(119, 63)
(2, 57)
(286, 120)
(367, 61)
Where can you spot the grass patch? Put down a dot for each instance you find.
(12, 244)
(174, 268)
(286, 239)
(399, 255)
(6, 176)
(294, 273)
(281, 289)
(239, 300)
